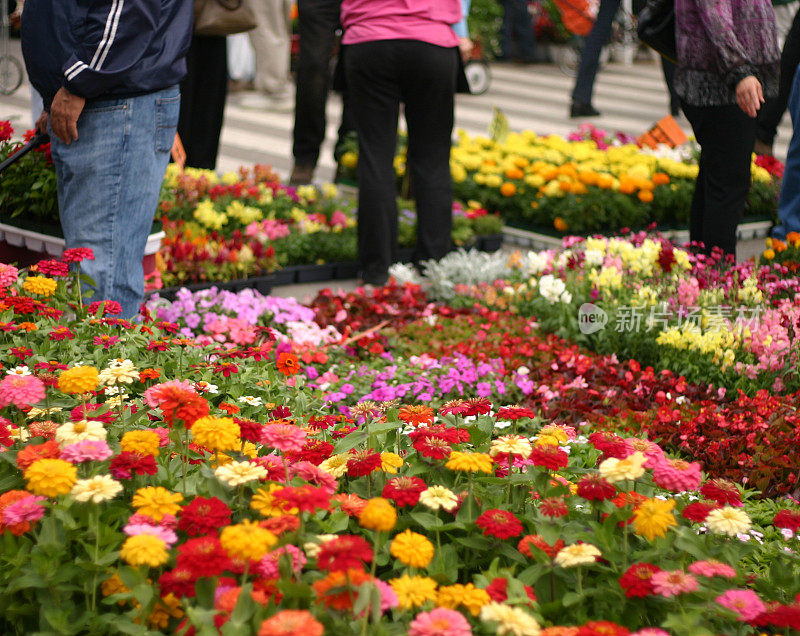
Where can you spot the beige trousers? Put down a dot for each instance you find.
(271, 42)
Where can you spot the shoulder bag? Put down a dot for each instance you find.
(222, 17)
(656, 27)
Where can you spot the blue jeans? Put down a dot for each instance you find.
(108, 187)
(789, 203)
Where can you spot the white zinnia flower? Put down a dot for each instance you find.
(72, 432)
(238, 473)
(96, 489)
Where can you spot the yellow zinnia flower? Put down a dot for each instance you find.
(247, 540)
(144, 549)
(653, 517)
(335, 465)
(510, 620)
(436, 497)
(412, 549)
(512, 445)
(578, 554)
(471, 597)
(96, 489)
(378, 514)
(217, 433)
(469, 462)
(632, 467)
(156, 501)
(264, 502)
(728, 520)
(39, 285)
(142, 442)
(50, 477)
(78, 380)
(413, 591)
(390, 462)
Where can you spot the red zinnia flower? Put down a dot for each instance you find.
(61, 333)
(477, 406)
(33, 452)
(109, 307)
(609, 444)
(230, 409)
(51, 268)
(338, 589)
(178, 581)
(602, 628)
(432, 447)
(549, 456)
(780, 616)
(304, 498)
(204, 515)
(553, 507)
(722, 491)
(456, 407)
(498, 590)
(363, 462)
(783, 518)
(279, 525)
(535, 540)
(697, 511)
(595, 488)
(89, 412)
(499, 523)
(250, 430)
(314, 451)
(404, 491)
(203, 556)
(416, 415)
(636, 580)
(77, 254)
(126, 464)
(344, 552)
(514, 413)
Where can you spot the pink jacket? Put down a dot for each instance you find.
(424, 20)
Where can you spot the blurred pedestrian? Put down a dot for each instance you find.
(728, 62)
(111, 103)
(271, 40)
(204, 91)
(402, 52)
(317, 24)
(517, 37)
(590, 60)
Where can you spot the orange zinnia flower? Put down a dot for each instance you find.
(288, 364)
(230, 409)
(416, 414)
(338, 589)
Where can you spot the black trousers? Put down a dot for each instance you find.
(726, 136)
(590, 57)
(771, 113)
(203, 93)
(381, 75)
(318, 21)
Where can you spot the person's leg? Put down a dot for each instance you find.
(770, 115)
(522, 30)
(789, 202)
(696, 117)
(727, 145)
(669, 67)
(590, 58)
(205, 89)
(317, 23)
(270, 40)
(372, 70)
(506, 31)
(109, 182)
(428, 87)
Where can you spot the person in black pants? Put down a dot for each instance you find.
(517, 32)
(772, 112)
(380, 75)
(203, 93)
(590, 60)
(318, 21)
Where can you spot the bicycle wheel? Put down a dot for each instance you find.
(10, 74)
(478, 76)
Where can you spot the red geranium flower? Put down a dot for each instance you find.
(404, 491)
(344, 552)
(363, 462)
(595, 488)
(499, 523)
(549, 456)
(204, 515)
(636, 580)
(722, 491)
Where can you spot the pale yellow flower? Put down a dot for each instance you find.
(96, 489)
(512, 445)
(436, 497)
(577, 554)
(72, 432)
(238, 473)
(510, 620)
(632, 467)
(728, 520)
(335, 465)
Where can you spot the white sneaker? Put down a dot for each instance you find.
(260, 101)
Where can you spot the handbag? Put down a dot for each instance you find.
(656, 27)
(222, 17)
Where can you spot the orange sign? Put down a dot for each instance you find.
(666, 131)
(178, 152)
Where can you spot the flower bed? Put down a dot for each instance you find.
(151, 480)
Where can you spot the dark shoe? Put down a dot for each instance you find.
(301, 175)
(582, 109)
(674, 109)
(762, 148)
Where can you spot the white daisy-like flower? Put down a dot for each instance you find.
(251, 400)
(238, 473)
(119, 371)
(206, 387)
(96, 489)
(73, 432)
(20, 370)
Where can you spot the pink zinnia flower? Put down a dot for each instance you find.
(670, 583)
(165, 534)
(273, 464)
(677, 475)
(651, 631)
(27, 509)
(269, 565)
(154, 396)
(745, 603)
(388, 597)
(21, 390)
(163, 435)
(712, 568)
(314, 475)
(86, 451)
(440, 622)
(649, 449)
(167, 521)
(8, 275)
(78, 254)
(284, 437)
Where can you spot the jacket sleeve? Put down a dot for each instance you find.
(115, 35)
(717, 19)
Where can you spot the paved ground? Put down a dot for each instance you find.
(536, 97)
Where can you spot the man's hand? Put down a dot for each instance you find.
(64, 113)
(41, 123)
(749, 95)
(465, 45)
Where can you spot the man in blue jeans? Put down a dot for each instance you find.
(108, 72)
(789, 202)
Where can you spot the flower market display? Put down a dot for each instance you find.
(396, 462)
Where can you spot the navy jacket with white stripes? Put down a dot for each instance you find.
(105, 49)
